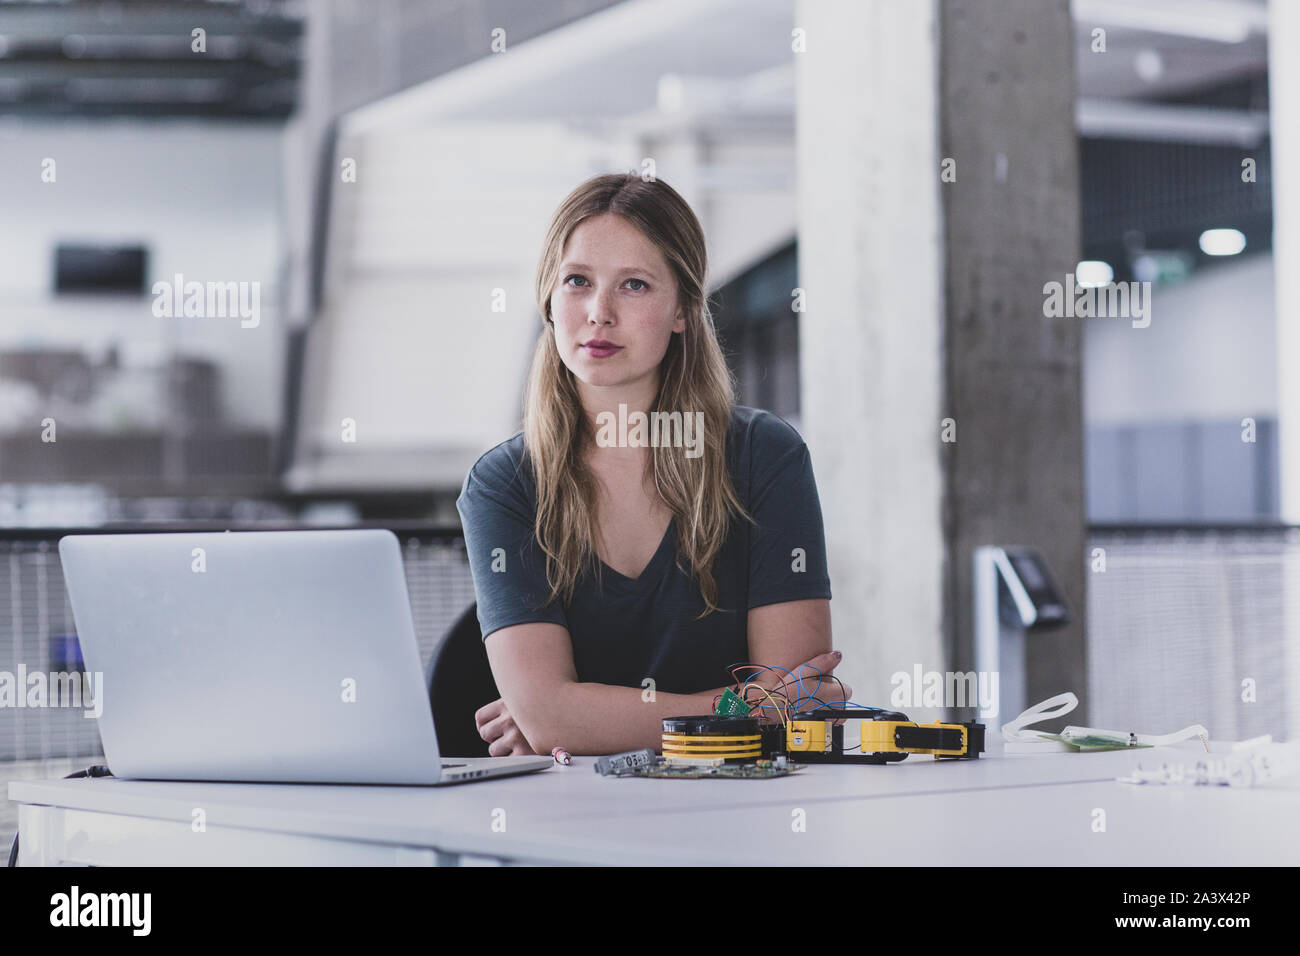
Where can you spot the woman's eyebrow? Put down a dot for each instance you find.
(624, 271)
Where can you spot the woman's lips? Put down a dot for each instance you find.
(599, 351)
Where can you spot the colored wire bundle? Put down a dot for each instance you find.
(781, 703)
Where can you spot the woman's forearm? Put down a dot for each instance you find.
(602, 718)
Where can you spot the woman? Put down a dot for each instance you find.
(620, 573)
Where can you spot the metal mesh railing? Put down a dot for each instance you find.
(1195, 626)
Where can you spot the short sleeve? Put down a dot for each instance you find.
(787, 549)
(508, 565)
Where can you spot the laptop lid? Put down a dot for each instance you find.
(257, 655)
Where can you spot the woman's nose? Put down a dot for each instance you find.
(602, 309)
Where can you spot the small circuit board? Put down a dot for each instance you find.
(729, 705)
(696, 770)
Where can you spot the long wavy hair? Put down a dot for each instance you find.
(693, 376)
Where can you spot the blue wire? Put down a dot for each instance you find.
(799, 679)
(850, 704)
(813, 695)
(764, 666)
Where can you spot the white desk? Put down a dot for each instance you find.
(1012, 810)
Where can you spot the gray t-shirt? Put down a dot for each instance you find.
(634, 629)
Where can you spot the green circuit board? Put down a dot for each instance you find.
(747, 771)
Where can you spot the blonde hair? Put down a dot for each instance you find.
(693, 376)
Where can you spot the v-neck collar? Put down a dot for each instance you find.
(649, 571)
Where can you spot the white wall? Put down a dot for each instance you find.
(1209, 353)
(407, 344)
(206, 201)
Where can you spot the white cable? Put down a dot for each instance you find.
(1017, 740)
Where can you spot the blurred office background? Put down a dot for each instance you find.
(382, 173)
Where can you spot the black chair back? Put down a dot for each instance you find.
(460, 682)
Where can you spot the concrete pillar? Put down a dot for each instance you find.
(1015, 475)
(925, 303)
(871, 338)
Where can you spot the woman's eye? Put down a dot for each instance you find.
(641, 284)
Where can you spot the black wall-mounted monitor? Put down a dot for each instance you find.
(1036, 581)
(87, 269)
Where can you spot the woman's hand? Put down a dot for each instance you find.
(498, 728)
(832, 692)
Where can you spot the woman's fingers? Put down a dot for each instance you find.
(813, 679)
(804, 677)
(489, 712)
(493, 721)
(825, 663)
(502, 743)
(510, 744)
(494, 729)
(498, 728)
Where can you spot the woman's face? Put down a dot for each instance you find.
(614, 304)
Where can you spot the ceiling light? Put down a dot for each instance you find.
(1216, 20)
(1091, 273)
(1222, 242)
(1149, 65)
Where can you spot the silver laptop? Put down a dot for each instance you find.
(274, 656)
